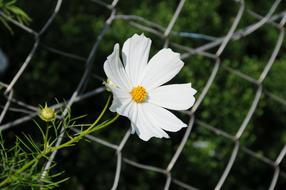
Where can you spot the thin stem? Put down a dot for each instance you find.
(102, 112)
(84, 133)
(105, 124)
(26, 166)
(71, 142)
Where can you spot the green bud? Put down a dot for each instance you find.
(47, 114)
(109, 85)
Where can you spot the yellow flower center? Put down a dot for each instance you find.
(139, 94)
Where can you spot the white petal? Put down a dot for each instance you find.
(131, 111)
(146, 126)
(135, 53)
(140, 121)
(115, 104)
(174, 96)
(120, 97)
(121, 94)
(133, 128)
(164, 119)
(142, 130)
(115, 71)
(128, 109)
(161, 68)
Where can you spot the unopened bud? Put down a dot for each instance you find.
(109, 85)
(47, 114)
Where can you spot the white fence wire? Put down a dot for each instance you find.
(274, 20)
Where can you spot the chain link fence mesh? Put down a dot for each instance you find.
(271, 19)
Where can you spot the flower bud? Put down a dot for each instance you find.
(47, 114)
(109, 85)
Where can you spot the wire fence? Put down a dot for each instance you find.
(276, 21)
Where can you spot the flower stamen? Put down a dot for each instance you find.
(139, 94)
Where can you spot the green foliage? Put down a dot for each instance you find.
(19, 156)
(76, 28)
(22, 165)
(8, 8)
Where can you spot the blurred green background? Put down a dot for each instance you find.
(202, 162)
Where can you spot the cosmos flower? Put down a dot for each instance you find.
(137, 88)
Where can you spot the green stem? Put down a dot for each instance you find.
(4, 182)
(102, 112)
(105, 124)
(84, 133)
(8, 179)
(71, 142)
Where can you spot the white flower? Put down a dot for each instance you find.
(137, 90)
